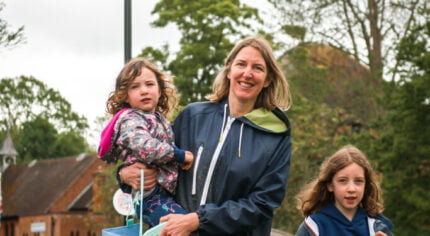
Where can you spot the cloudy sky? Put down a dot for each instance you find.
(76, 46)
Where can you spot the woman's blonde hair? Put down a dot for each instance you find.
(316, 195)
(131, 70)
(277, 94)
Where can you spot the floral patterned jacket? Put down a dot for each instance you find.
(137, 136)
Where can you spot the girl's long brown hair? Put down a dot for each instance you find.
(315, 195)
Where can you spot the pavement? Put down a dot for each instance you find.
(276, 232)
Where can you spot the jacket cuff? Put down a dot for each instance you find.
(123, 186)
(178, 154)
(201, 214)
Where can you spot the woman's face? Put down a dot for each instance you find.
(247, 76)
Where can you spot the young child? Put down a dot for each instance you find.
(345, 198)
(139, 132)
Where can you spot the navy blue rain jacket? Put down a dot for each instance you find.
(240, 172)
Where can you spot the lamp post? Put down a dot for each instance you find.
(127, 30)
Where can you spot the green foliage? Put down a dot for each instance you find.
(40, 120)
(9, 38)
(318, 129)
(39, 139)
(297, 32)
(367, 30)
(36, 139)
(25, 98)
(156, 56)
(403, 147)
(69, 143)
(207, 28)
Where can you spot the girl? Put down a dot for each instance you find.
(345, 199)
(139, 132)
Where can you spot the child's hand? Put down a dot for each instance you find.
(188, 161)
(380, 233)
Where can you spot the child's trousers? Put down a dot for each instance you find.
(159, 203)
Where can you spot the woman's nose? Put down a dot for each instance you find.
(248, 72)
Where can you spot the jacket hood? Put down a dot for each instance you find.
(107, 135)
(268, 120)
(332, 212)
(275, 121)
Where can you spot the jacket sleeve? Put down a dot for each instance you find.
(303, 230)
(135, 135)
(250, 212)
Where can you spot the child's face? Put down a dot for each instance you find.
(348, 188)
(144, 92)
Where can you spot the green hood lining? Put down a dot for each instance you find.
(267, 119)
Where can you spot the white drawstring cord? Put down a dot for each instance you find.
(240, 139)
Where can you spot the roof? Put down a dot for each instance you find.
(31, 188)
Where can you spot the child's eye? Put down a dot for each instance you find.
(134, 86)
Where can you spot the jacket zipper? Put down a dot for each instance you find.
(196, 166)
(214, 160)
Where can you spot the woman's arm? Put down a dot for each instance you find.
(129, 177)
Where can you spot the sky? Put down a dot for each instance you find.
(77, 47)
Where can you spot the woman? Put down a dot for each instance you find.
(242, 148)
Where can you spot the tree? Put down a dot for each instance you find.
(367, 30)
(403, 148)
(208, 28)
(40, 120)
(318, 126)
(9, 38)
(25, 98)
(36, 139)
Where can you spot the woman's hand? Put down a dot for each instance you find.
(180, 225)
(131, 176)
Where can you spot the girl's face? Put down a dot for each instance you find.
(348, 188)
(247, 76)
(144, 91)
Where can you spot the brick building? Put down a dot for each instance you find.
(50, 197)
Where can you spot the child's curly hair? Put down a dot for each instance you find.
(316, 195)
(117, 99)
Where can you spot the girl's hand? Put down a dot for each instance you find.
(188, 161)
(380, 233)
(131, 176)
(180, 225)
